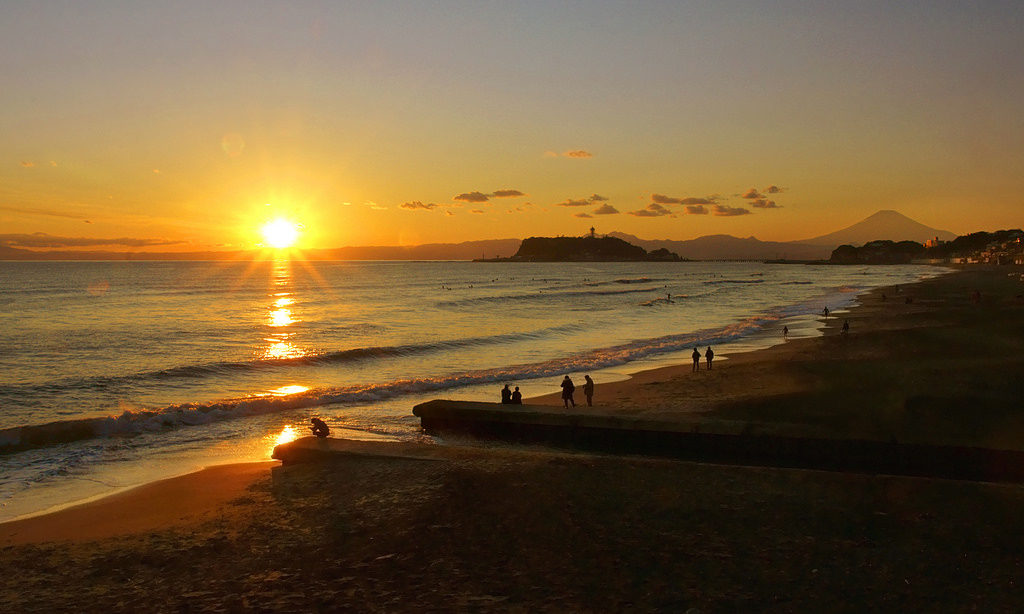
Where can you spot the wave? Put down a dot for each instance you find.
(197, 371)
(734, 281)
(540, 296)
(135, 421)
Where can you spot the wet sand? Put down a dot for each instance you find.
(508, 529)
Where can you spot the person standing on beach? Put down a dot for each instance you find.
(506, 395)
(846, 328)
(567, 389)
(696, 360)
(588, 390)
(709, 354)
(825, 311)
(785, 332)
(517, 397)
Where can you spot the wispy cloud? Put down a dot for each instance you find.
(41, 239)
(582, 202)
(662, 199)
(773, 189)
(751, 194)
(477, 211)
(587, 215)
(418, 205)
(578, 153)
(47, 212)
(652, 210)
(726, 211)
(472, 197)
(605, 209)
(27, 164)
(507, 193)
(696, 210)
(763, 203)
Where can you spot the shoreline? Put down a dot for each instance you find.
(492, 527)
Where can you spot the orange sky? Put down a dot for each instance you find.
(156, 126)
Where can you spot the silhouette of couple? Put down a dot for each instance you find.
(509, 397)
(709, 354)
(568, 388)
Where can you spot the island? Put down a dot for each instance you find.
(590, 248)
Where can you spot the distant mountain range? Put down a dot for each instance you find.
(882, 225)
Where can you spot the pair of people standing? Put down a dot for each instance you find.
(568, 388)
(709, 354)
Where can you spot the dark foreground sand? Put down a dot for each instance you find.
(501, 529)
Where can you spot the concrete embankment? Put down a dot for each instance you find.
(717, 442)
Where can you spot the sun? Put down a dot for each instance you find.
(280, 233)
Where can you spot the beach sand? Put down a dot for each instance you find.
(500, 528)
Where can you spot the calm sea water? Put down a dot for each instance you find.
(116, 373)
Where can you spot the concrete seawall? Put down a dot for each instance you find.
(715, 442)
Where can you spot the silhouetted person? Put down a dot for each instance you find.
(709, 354)
(785, 332)
(588, 390)
(319, 427)
(825, 311)
(696, 360)
(506, 395)
(567, 389)
(517, 397)
(846, 327)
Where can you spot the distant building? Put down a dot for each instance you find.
(933, 242)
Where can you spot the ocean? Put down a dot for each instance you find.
(113, 374)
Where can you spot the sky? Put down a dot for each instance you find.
(179, 126)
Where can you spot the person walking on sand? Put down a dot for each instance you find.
(709, 354)
(846, 328)
(506, 395)
(588, 390)
(567, 389)
(696, 360)
(517, 397)
(785, 332)
(825, 311)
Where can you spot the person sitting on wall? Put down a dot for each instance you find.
(506, 395)
(517, 397)
(319, 428)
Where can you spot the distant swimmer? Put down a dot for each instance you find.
(696, 360)
(567, 389)
(588, 390)
(517, 397)
(709, 354)
(506, 395)
(319, 428)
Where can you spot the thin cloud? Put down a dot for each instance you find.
(582, 215)
(597, 198)
(27, 164)
(652, 210)
(578, 153)
(375, 206)
(696, 210)
(773, 189)
(415, 204)
(477, 211)
(605, 209)
(41, 239)
(447, 212)
(662, 199)
(752, 193)
(472, 197)
(507, 193)
(763, 203)
(725, 211)
(574, 202)
(53, 163)
(48, 212)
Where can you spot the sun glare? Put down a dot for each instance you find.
(280, 233)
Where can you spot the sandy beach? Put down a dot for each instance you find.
(499, 528)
